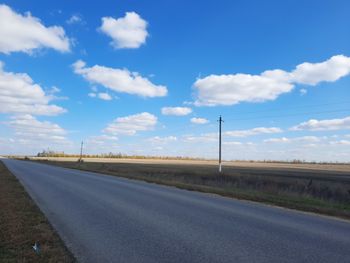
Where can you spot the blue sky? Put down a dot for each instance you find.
(152, 77)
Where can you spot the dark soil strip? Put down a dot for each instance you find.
(22, 224)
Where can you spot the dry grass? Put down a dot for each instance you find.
(322, 167)
(22, 224)
(309, 191)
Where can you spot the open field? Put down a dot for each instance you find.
(22, 224)
(327, 172)
(228, 164)
(309, 188)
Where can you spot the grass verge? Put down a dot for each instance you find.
(329, 197)
(22, 224)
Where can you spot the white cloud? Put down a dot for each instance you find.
(304, 139)
(177, 111)
(235, 88)
(129, 31)
(323, 125)
(104, 96)
(130, 125)
(199, 120)
(341, 142)
(75, 19)
(205, 138)
(162, 140)
(254, 131)
(120, 80)
(232, 143)
(54, 90)
(232, 89)
(277, 140)
(329, 70)
(309, 139)
(101, 144)
(26, 33)
(31, 130)
(101, 140)
(19, 94)
(92, 95)
(303, 92)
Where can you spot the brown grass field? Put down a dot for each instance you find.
(228, 164)
(22, 224)
(321, 188)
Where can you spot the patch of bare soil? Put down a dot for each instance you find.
(22, 224)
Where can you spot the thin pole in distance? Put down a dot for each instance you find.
(81, 151)
(220, 122)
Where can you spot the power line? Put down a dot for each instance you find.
(188, 127)
(289, 115)
(297, 107)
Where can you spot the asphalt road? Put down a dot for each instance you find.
(108, 219)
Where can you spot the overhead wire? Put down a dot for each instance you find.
(189, 127)
(288, 115)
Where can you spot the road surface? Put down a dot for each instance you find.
(108, 219)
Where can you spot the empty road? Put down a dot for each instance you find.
(109, 219)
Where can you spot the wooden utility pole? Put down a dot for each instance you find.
(220, 121)
(81, 151)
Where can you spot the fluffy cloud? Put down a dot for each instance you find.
(101, 142)
(100, 95)
(205, 138)
(130, 125)
(104, 96)
(232, 143)
(28, 128)
(329, 70)
(307, 139)
(162, 140)
(277, 140)
(177, 111)
(120, 80)
(323, 125)
(129, 31)
(19, 94)
(251, 132)
(232, 89)
(26, 33)
(210, 139)
(303, 92)
(235, 88)
(341, 142)
(75, 19)
(199, 120)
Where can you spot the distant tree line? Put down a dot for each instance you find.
(48, 153)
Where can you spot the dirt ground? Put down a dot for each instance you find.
(345, 168)
(22, 224)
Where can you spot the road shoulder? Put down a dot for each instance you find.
(22, 224)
